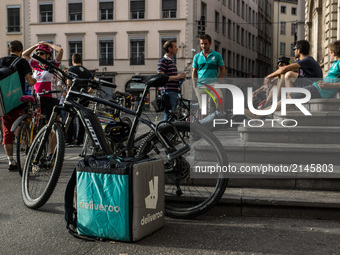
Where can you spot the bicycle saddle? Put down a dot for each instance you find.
(27, 99)
(155, 80)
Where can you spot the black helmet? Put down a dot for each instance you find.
(284, 60)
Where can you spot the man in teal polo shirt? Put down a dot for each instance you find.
(204, 71)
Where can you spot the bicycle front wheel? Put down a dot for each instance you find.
(23, 145)
(188, 194)
(41, 177)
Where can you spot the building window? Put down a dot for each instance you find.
(169, 9)
(238, 34)
(253, 18)
(217, 46)
(249, 40)
(106, 52)
(242, 36)
(282, 48)
(137, 9)
(229, 63)
(293, 30)
(224, 21)
(283, 28)
(229, 4)
(283, 9)
(249, 15)
(75, 11)
(238, 7)
(229, 28)
(242, 10)
(13, 18)
(75, 46)
(224, 53)
(137, 47)
(106, 10)
(217, 21)
(293, 10)
(46, 12)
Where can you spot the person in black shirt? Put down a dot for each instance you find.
(301, 73)
(82, 73)
(25, 74)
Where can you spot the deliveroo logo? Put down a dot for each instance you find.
(151, 199)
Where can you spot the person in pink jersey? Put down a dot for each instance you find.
(45, 80)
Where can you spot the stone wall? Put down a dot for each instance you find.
(321, 28)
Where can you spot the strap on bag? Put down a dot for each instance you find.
(68, 204)
(15, 62)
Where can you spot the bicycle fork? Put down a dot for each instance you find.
(45, 138)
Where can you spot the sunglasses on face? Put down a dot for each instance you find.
(295, 48)
(41, 53)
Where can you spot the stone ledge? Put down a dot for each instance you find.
(282, 197)
(303, 134)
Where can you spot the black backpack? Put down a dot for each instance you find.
(6, 71)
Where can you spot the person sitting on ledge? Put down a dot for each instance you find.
(325, 88)
(301, 73)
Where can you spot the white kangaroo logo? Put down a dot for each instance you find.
(151, 199)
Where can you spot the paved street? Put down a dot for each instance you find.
(26, 231)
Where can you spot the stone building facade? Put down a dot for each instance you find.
(285, 29)
(13, 17)
(322, 21)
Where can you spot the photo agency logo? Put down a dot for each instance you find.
(239, 103)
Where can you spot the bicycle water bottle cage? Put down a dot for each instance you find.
(27, 99)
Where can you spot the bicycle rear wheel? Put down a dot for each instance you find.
(187, 195)
(40, 178)
(23, 145)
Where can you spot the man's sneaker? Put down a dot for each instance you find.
(13, 168)
(69, 145)
(212, 116)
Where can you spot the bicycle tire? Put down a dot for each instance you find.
(39, 180)
(198, 195)
(23, 145)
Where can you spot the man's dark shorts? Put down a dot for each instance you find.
(301, 82)
(311, 88)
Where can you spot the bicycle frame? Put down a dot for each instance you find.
(90, 120)
(92, 124)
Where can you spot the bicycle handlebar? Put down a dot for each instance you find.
(51, 65)
(48, 92)
(105, 83)
(94, 82)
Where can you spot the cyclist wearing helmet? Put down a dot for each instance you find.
(45, 80)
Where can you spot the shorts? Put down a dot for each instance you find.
(311, 88)
(7, 122)
(47, 104)
(301, 82)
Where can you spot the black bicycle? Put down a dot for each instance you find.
(184, 148)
